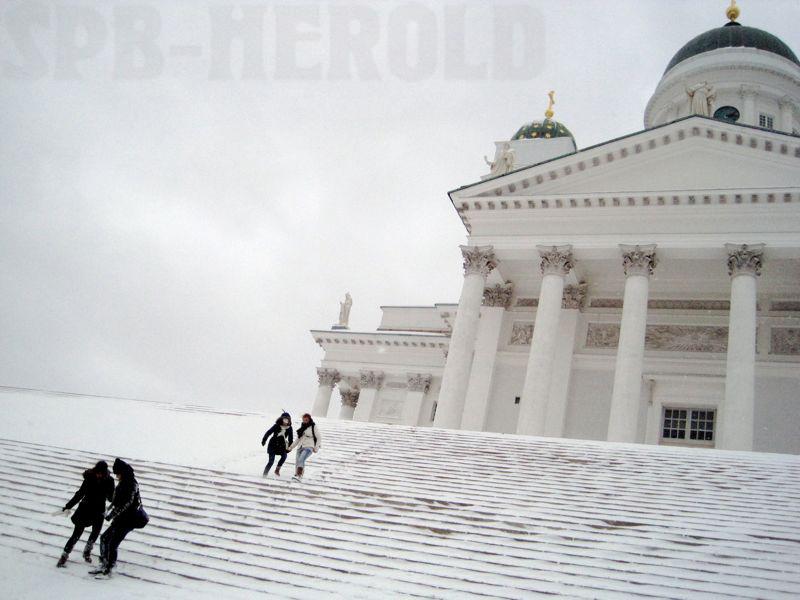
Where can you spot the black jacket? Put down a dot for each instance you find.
(278, 444)
(92, 496)
(127, 503)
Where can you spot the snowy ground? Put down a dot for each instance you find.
(392, 511)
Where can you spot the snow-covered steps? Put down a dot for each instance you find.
(407, 512)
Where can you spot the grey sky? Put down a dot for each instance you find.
(175, 237)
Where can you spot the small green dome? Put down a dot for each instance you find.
(546, 129)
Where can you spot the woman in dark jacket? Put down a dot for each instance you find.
(126, 514)
(279, 443)
(97, 487)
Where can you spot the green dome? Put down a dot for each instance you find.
(547, 128)
(733, 35)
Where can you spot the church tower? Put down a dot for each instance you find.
(736, 73)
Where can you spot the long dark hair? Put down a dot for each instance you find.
(304, 425)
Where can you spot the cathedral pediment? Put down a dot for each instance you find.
(693, 154)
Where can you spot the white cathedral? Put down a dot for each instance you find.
(645, 289)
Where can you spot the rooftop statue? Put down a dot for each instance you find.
(701, 97)
(344, 311)
(504, 162)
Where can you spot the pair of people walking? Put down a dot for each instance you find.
(126, 513)
(282, 441)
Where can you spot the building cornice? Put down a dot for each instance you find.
(368, 339)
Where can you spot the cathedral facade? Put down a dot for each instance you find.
(645, 289)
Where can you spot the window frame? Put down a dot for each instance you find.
(690, 409)
(769, 121)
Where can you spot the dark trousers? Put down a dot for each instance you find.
(78, 532)
(272, 460)
(110, 541)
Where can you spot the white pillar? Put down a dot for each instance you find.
(327, 379)
(736, 420)
(369, 382)
(749, 93)
(478, 262)
(556, 263)
(573, 300)
(476, 404)
(638, 263)
(418, 386)
(787, 114)
(349, 402)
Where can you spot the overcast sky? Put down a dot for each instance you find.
(178, 211)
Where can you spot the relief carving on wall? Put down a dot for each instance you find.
(785, 341)
(527, 302)
(686, 338)
(521, 334)
(664, 338)
(785, 305)
(602, 335)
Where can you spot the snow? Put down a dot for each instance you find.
(392, 511)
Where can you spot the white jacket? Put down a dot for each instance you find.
(307, 439)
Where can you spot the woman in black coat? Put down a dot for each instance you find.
(97, 487)
(279, 443)
(126, 514)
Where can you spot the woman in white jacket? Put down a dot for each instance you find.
(308, 440)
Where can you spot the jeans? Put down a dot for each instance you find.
(302, 456)
(110, 541)
(272, 460)
(78, 531)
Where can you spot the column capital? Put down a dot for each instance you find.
(575, 296)
(370, 379)
(419, 382)
(745, 259)
(638, 260)
(328, 376)
(499, 295)
(350, 397)
(478, 259)
(556, 260)
(784, 101)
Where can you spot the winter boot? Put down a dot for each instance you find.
(87, 552)
(298, 474)
(100, 570)
(62, 562)
(277, 471)
(104, 573)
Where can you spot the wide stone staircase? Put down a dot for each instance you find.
(389, 511)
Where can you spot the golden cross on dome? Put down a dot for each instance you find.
(733, 11)
(548, 114)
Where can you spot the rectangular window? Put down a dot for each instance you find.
(765, 121)
(692, 425)
(516, 400)
(433, 411)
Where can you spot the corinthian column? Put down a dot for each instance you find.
(555, 264)
(327, 379)
(349, 403)
(638, 263)
(418, 386)
(736, 420)
(478, 263)
(369, 382)
(495, 302)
